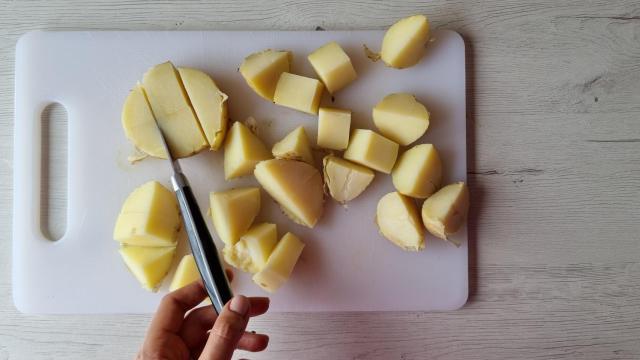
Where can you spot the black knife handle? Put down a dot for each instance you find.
(202, 245)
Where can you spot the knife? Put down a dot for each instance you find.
(202, 245)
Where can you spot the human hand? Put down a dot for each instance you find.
(202, 334)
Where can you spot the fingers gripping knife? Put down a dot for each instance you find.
(202, 245)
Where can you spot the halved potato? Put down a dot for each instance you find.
(233, 212)
(148, 264)
(344, 179)
(398, 220)
(418, 172)
(401, 118)
(242, 151)
(294, 146)
(280, 264)
(262, 70)
(139, 124)
(403, 44)
(444, 212)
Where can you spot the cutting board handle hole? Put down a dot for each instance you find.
(54, 184)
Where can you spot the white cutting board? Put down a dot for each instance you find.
(346, 265)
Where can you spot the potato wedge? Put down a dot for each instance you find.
(444, 212)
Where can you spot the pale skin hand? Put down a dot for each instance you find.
(176, 335)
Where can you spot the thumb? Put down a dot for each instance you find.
(227, 330)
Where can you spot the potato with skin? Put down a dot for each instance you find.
(148, 264)
(418, 171)
(298, 92)
(140, 126)
(333, 66)
(403, 44)
(401, 118)
(399, 221)
(294, 146)
(251, 253)
(280, 265)
(233, 212)
(344, 179)
(444, 212)
(242, 151)
(372, 150)
(261, 70)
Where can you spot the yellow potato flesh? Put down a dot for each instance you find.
(280, 264)
(233, 212)
(294, 146)
(251, 253)
(401, 118)
(333, 66)
(398, 220)
(209, 103)
(296, 186)
(345, 179)
(148, 217)
(262, 70)
(172, 110)
(186, 273)
(404, 42)
(242, 151)
(444, 212)
(140, 126)
(298, 92)
(333, 128)
(372, 150)
(148, 264)
(418, 172)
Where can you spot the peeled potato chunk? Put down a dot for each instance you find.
(372, 150)
(294, 146)
(401, 118)
(404, 42)
(262, 70)
(398, 220)
(139, 124)
(298, 92)
(280, 264)
(344, 179)
(233, 212)
(251, 253)
(333, 66)
(333, 128)
(444, 212)
(418, 172)
(148, 217)
(296, 186)
(209, 103)
(242, 151)
(148, 264)
(186, 273)
(172, 110)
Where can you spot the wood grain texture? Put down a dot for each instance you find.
(554, 169)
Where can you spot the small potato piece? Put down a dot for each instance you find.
(140, 126)
(294, 146)
(209, 103)
(298, 92)
(372, 150)
(333, 128)
(345, 179)
(401, 118)
(418, 171)
(404, 42)
(262, 70)
(186, 273)
(444, 212)
(333, 66)
(233, 212)
(242, 151)
(148, 264)
(250, 254)
(296, 186)
(280, 264)
(398, 220)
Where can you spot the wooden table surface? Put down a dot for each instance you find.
(554, 171)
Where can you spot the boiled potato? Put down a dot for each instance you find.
(172, 110)
(398, 220)
(333, 66)
(148, 217)
(333, 128)
(280, 264)
(294, 146)
(209, 103)
(233, 212)
(401, 118)
(418, 171)
(404, 42)
(444, 212)
(372, 150)
(140, 126)
(186, 273)
(242, 151)
(296, 186)
(148, 264)
(262, 70)
(298, 92)
(344, 179)
(250, 254)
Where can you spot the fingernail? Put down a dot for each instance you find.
(239, 305)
